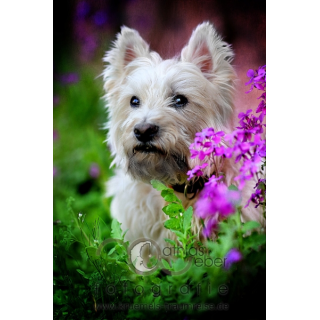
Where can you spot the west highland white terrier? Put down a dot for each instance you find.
(155, 108)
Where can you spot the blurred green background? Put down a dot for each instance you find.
(81, 158)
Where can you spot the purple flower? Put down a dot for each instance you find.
(263, 181)
(206, 143)
(245, 144)
(228, 152)
(204, 134)
(263, 96)
(213, 180)
(100, 18)
(234, 255)
(216, 198)
(250, 74)
(82, 9)
(248, 169)
(55, 135)
(209, 133)
(210, 227)
(262, 107)
(69, 78)
(260, 145)
(257, 198)
(94, 171)
(88, 44)
(55, 171)
(250, 124)
(241, 149)
(196, 171)
(257, 78)
(246, 115)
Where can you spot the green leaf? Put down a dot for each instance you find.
(179, 264)
(60, 298)
(169, 196)
(191, 245)
(166, 191)
(187, 217)
(116, 230)
(111, 251)
(172, 223)
(233, 187)
(83, 274)
(92, 253)
(179, 234)
(166, 264)
(250, 225)
(170, 241)
(119, 248)
(158, 185)
(124, 233)
(260, 240)
(156, 280)
(173, 209)
(152, 262)
(254, 241)
(122, 265)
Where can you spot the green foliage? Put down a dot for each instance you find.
(111, 269)
(179, 221)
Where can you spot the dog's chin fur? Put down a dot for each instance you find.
(204, 75)
(166, 167)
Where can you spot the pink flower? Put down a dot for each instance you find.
(196, 171)
(249, 168)
(234, 255)
(257, 78)
(256, 198)
(69, 78)
(245, 143)
(94, 171)
(213, 181)
(262, 107)
(216, 198)
(211, 226)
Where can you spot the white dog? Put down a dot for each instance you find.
(155, 109)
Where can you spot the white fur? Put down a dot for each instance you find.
(205, 76)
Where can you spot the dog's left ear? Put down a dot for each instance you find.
(208, 51)
(128, 46)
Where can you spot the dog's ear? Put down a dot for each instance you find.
(128, 46)
(208, 51)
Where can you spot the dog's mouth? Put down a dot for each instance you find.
(147, 148)
(149, 161)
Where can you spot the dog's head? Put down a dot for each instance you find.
(156, 106)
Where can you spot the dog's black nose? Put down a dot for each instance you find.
(145, 132)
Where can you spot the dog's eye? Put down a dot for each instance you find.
(134, 102)
(179, 101)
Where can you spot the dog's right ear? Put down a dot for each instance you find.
(209, 53)
(128, 46)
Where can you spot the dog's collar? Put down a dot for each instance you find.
(187, 188)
